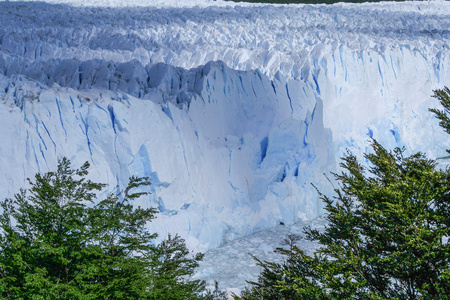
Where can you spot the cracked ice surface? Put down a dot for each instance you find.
(270, 38)
(231, 110)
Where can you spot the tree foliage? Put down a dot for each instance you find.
(172, 267)
(443, 115)
(387, 235)
(58, 242)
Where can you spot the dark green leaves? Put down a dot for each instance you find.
(444, 97)
(57, 241)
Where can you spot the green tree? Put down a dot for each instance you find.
(386, 236)
(58, 242)
(443, 115)
(216, 293)
(173, 266)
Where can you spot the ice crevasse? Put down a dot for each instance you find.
(231, 136)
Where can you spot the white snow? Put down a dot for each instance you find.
(232, 110)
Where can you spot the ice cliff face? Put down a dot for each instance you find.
(231, 111)
(221, 147)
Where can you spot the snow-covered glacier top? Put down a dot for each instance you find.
(140, 3)
(270, 38)
(203, 3)
(232, 110)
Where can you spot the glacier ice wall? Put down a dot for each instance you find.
(232, 111)
(221, 152)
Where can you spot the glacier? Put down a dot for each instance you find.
(232, 110)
